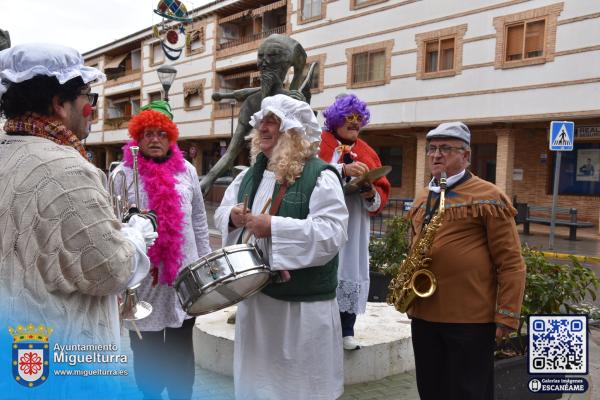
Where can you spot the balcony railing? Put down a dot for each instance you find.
(250, 38)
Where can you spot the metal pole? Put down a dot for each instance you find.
(554, 198)
(232, 107)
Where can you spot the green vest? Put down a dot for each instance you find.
(306, 284)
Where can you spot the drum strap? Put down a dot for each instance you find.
(278, 199)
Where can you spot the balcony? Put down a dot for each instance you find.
(250, 38)
(223, 110)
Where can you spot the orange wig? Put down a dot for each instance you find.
(154, 119)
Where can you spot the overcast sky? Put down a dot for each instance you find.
(82, 24)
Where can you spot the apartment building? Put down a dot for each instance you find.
(506, 68)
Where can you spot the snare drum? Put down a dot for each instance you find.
(221, 278)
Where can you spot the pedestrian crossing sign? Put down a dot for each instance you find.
(562, 135)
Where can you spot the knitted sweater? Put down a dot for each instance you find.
(62, 256)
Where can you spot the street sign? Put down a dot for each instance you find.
(562, 134)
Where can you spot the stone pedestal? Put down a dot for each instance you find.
(383, 333)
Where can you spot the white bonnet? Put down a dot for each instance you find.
(294, 114)
(23, 62)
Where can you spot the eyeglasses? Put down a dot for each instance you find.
(92, 98)
(152, 135)
(444, 149)
(353, 118)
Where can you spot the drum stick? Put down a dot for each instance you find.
(248, 235)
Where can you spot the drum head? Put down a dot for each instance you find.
(229, 292)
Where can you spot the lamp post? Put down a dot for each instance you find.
(166, 76)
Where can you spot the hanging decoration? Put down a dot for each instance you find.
(171, 30)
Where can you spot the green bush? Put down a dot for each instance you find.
(387, 252)
(552, 288)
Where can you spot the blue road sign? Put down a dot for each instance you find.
(562, 134)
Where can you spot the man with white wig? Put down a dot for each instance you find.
(288, 337)
(63, 255)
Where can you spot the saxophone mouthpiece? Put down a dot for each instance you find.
(443, 177)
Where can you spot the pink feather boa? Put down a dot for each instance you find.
(158, 180)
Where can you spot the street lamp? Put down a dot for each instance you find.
(166, 76)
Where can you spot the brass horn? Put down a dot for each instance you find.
(130, 308)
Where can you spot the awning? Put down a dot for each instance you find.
(115, 62)
(269, 7)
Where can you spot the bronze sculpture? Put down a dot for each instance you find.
(275, 56)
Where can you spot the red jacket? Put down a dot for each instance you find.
(363, 153)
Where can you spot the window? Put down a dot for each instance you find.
(120, 108)
(354, 4)
(195, 43)
(193, 95)
(439, 53)
(526, 38)
(156, 54)
(316, 85)
(153, 96)
(312, 10)
(369, 65)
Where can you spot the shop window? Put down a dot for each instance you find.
(526, 38)
(439, 53)
(579, 171)
(195, 43)
(193, 95)
(312, 10)
(369, 65)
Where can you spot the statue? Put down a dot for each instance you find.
(275, 56)
(4, 40)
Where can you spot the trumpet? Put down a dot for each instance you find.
(130, 308)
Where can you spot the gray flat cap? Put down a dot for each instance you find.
(455, 130)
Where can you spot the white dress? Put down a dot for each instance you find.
(290, 350)
(353, 269)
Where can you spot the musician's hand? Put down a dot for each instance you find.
(356, 168)
(237, 216)
(144, 226)
(502, 332)
(368, 194)
(259, 225)
(297, 95)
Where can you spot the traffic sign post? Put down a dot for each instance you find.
(562, 135)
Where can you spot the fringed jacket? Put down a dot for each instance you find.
(476, 257)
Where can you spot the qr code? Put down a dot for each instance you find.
(558, 344)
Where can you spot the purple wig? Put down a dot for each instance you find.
(344, 105)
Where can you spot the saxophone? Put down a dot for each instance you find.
(414, 278)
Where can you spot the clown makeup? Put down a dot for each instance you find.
(154, 143)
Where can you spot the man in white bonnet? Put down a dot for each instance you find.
(63, 254)
(288, 336)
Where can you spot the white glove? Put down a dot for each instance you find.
(144, 226)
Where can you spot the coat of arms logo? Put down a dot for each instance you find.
(30, 354)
